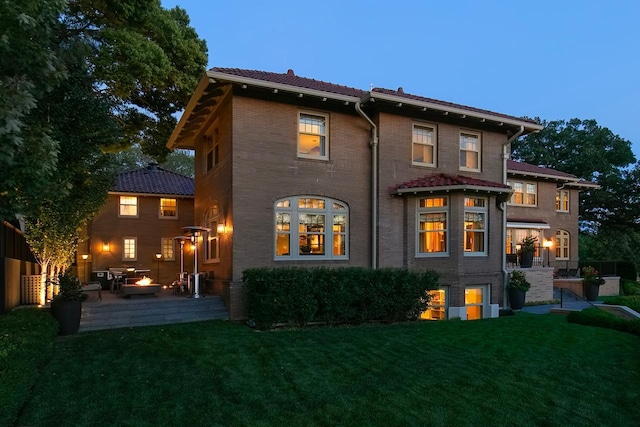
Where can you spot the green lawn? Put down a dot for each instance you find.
(516, 371)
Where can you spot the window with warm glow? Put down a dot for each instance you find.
(432, 226)
(129, 245)
(524, 193)
(562, 201)
(475, 226)
(470, 151)
(168, 208)
(437, 308)
(311, 228)
(313, 141)
(474, 302)
(168, 249)
(128, 206)
(563, 240)
(423, 145)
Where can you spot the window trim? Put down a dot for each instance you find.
(121, 205)
(163, 240)
(434, 146)
(558, 243)
(212, 219)
(479, 151)
(135, 248)
(325, 116)
(160, 216)
(294, 228)
(524, 184)
(485, 231)
(561, 202)
(437, 209)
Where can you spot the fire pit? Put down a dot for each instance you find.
(141, 287)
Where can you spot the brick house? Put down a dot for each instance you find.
(144, 211)
(295, 171)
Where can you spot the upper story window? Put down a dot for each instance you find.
(432, 233)
(211, 150)
(475, 226)
(524, 193)
(470, 146)
(562, 200)
(423, 145)
(129, 249)
(168, 208)
(168, 249)
(128, 206)
(313, 140)
(308, 227)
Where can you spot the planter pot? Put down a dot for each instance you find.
(67, 313)
(590, 290)
(526, 259)
(516, 298)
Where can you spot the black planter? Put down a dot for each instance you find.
(67, 313)
(516, 298)
(526, 259)
(590, 290)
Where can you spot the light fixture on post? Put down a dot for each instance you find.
(196, 232)
(158, 257)
(548, 244)
(84, 265)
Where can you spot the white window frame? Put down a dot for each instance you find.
(563, 244)
(322, 155)
(122, 205)
(562, 200)
(433, 210)
(525, 186)
(416, 140)
(166, 243)
(333, 230)
(161, 211)
(212, 238)
(466, 149)
(134, 240)
(484, 211)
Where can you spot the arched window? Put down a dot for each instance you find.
(562, 244)
(309, 227)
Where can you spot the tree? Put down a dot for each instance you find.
(178, 161)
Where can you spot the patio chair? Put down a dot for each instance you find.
(561, 273)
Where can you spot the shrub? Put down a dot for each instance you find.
(630, 287)
(353, 294)
(631, 301)
(604, 319)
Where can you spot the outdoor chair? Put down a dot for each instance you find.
(561, 273)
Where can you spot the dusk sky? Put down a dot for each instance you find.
(550, 59)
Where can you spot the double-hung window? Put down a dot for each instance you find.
(470, 147)
(524, 193)
(128, 206)
(129, 249)
(308, 227)
(562, 201)
(423, 145)
(475, 226)
(212, 246)
(432, 233)
(168, 208)
(313, 138)
(168, 249)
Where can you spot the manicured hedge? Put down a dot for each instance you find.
(26, 343)
(604, 319)
(299, 296)
(631, 301)
(630, 287)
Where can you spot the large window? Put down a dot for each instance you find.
(168, 208)
(168, 249)
(562, 201)
(475, 226)
(432, 226)
(423, 145)
(129, 249)
(563, 240)
(308, 227)
(128, 206)
(470, 151)
(524, 193)
(313, 141)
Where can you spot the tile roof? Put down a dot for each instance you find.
(514, 166)
(153, 179)
(442, 180)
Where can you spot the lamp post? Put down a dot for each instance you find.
(84, 265)
(158, 256)
(196, 232)
(548, 244)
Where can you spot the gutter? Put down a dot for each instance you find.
(374, 186)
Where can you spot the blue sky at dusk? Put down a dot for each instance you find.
(548, 59)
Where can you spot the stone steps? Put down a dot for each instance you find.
(150, 311)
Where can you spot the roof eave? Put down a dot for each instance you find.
(141, 193)
(172, 143)
(450, 188)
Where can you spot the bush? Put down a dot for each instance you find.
(631, 301)
(630, 287)
(26, 343)
(299, 296)
(604, 319)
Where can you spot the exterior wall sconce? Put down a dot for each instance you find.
(221, 229)
(105, 247)
(85, 257)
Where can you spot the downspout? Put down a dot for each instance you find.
(503, 208)
(374, 186)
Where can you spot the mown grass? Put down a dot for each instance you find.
(520, 370)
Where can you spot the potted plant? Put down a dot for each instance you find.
(591, 282)
(518, 287)
(66, 306)
(527, 249)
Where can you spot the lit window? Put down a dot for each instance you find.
(524, 193)
(475, 232)
(128, 206)
(474, 302)
(312, 137)
(470, 151)
(212, 247)
(311, 228)
(168, 249)
(423, 146)
(432, 226)
(168, 208)
(562, 201)
(563, 239)
(437, 308)
(129, 249)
